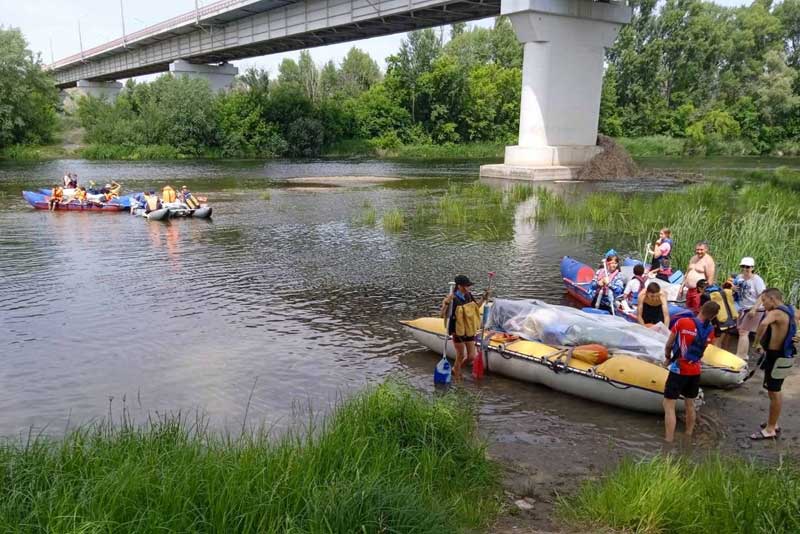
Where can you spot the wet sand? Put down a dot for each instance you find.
(544, 458)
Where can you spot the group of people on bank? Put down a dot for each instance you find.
(80, 194)
(762, 314)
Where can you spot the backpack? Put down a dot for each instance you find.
(695, 351)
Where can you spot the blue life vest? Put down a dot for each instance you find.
(695, 351)
(789, 349)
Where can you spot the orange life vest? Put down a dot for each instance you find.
(168, 194)
(80, 195)
(58, 194)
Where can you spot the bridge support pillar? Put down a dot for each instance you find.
(106, 90)
(219, 77)
(562, 76)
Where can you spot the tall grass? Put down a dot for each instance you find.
(654, 145)
(368, 215)
(757, 219)
(664, 494)
(389, 460)
(33, 152)
(393, 220)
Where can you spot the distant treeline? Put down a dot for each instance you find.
(723, 78)
(466, 89)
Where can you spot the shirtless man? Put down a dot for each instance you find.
(701, 266)
(774, 340)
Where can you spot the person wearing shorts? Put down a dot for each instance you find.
(463, 322)
(749, 287)
(701, 267)
(685, 346)
(775, 342)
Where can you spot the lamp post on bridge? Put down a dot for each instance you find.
(122, 18)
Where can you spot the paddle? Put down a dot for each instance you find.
(609, 294)
(442, 373)
(478, 364)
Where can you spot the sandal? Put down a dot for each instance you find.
(759, 436)
(777, 428)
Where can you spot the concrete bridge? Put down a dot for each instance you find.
(564, 44)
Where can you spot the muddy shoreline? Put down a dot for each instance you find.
(544, 458)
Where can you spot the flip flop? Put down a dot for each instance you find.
(759, 436)
(777, 428)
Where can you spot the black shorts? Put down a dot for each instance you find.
(768, 364)
(686, 385)
(463, 339)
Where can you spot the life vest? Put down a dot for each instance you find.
(152, 202)
(58, 194)
(80, 195)
(115, 189)
(789, 350)
(694, 352)
(190, 201)
(168, 194)
(467, 315)
(633, 297)
(727, 308)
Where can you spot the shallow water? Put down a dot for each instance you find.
(275, 303)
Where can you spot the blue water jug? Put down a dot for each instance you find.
(441, 375)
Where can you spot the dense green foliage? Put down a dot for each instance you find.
(389, 460)
(758, 219)
(463, 91)
(665, 494)
(723, 78)
(28, 97)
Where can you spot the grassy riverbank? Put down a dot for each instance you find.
(664, 494)
(755, 219)
(389, 460)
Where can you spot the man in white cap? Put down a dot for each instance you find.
(749, 286)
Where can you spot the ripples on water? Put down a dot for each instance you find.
(289, 292)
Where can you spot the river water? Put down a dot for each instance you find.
(280, 303)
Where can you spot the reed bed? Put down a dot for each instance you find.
(388, 460)
(750, 219)
(665, 494)
(368, 215)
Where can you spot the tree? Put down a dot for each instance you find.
(309, 76)
(28, 96)
(329, 81)
(289, 72)
(358, 72)
(415, 58)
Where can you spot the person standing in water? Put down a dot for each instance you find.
(464, 321)
(775, 339)
(701, 266)
(682, 354)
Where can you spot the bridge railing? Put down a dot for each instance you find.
(220, 5)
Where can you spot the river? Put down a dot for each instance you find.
(280, 304)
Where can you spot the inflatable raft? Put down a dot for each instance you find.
(622, 381)
(578, 277)
(42, 202)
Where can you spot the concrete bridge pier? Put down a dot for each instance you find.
(219, 77)
(105, 90)
(562, 77)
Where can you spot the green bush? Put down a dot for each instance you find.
(653, 145)
(305, 138)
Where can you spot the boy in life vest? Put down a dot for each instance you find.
(464, 321)
(684, 349)
(608, 284)
(775, 343)
(56, 197)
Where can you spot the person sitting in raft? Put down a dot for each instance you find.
(635, 284)
(114, 188)
(67, 179)
(683, 351)
(56, 197)
(464, 321)
(652, 308)
(664, 271)
(168, 194)
(188, 198)
(151, 202)
(80, 195)
(73, 182)
(662, 249)
(608, 285)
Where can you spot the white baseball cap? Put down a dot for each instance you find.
(747, 262)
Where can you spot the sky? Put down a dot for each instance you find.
(52, 25)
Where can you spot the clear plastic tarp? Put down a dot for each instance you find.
(561, 325)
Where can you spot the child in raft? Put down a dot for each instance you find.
(608, 284)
